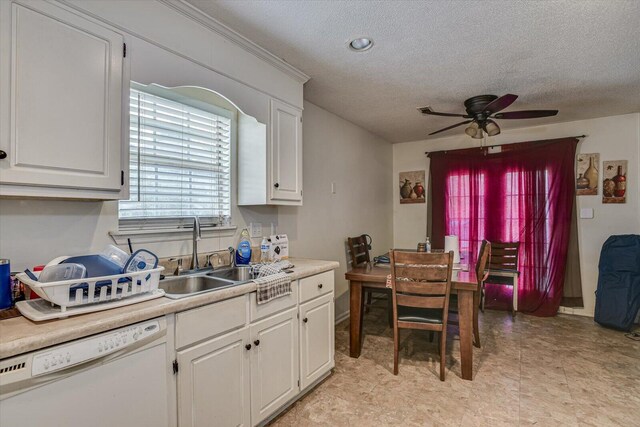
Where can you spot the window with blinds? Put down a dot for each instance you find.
(180, 159)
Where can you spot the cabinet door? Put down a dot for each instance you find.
(316, 339)
(274, 364)
(61, 118)
(213, 382)
(286, 152)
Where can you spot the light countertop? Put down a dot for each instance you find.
(20, 335)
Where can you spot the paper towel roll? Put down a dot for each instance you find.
(451, 243)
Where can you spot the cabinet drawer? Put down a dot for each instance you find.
(314, 286)
(260, 311)
(211, 320)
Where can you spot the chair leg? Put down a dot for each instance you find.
(443, 352)
(368, 301)
(390, 309)
(515, 296)
(482, 298)
(476, 330)
(396, 344)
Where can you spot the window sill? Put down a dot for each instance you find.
(153, 235)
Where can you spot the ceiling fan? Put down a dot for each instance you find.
(482, 110)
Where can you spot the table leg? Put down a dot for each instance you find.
(355, 318)
(465, 314)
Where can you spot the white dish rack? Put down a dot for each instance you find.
(92, 290)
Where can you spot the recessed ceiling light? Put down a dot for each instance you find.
(361, 44)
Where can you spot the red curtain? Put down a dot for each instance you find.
(524, 193)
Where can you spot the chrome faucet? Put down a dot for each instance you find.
(232, 254)
(196, 237)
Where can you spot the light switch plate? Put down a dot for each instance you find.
(255, 229)
(586, 213)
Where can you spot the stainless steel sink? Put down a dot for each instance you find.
(236, 274)
(185, 286)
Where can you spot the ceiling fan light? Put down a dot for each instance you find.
(478, 134)
(491, 128)
(473, 129)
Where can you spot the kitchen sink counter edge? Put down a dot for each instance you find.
(20, 335)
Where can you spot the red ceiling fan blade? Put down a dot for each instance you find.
(451, 127)
(500, 103)
(527, 114)
(429, 111)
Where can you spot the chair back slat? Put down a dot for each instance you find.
(435, 273)
(420, 301)
(358, 250)
(504, 255)
(420, 288)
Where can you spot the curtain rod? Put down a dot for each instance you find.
(498, 145)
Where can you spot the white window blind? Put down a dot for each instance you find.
(180, 160)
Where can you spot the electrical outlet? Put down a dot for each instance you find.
(255, 229)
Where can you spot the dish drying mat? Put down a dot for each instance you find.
(272, 282)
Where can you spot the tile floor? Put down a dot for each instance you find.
(561, 371)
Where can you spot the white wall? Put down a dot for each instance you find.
(615, 138)
(334, 151)
(359, 163)
(35, 231)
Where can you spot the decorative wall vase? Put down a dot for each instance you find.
(588, 175)
(582, 182)
(592, 174)
(608, 186)
(410, 193)
(405, 190)
(418, 189)
(621, 183)
(615, 181)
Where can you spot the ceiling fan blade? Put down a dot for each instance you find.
(527, 114)
(429, 111)
(500, 103)
(451, 127)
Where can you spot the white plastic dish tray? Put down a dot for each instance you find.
(91, 290)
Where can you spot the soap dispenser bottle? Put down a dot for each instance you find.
(243, 252)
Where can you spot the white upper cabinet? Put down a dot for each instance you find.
(63, 112)
(286, 152)
(270, 163)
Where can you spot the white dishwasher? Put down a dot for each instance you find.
(118, 378)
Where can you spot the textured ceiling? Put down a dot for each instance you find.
(581, 57)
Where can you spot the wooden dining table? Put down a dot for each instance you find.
(371, 276)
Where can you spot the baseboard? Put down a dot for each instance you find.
(574, 312)
(342, 316)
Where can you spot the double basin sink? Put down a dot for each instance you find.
(192, 283)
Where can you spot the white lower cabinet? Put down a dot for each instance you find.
(239, 363)
(316, 339)
(274, 363)
(214, 381)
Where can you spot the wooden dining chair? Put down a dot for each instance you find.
(420, 288)
(481, 273)
(503, 269)
(359, 253)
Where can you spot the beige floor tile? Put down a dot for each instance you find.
(561, 371)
